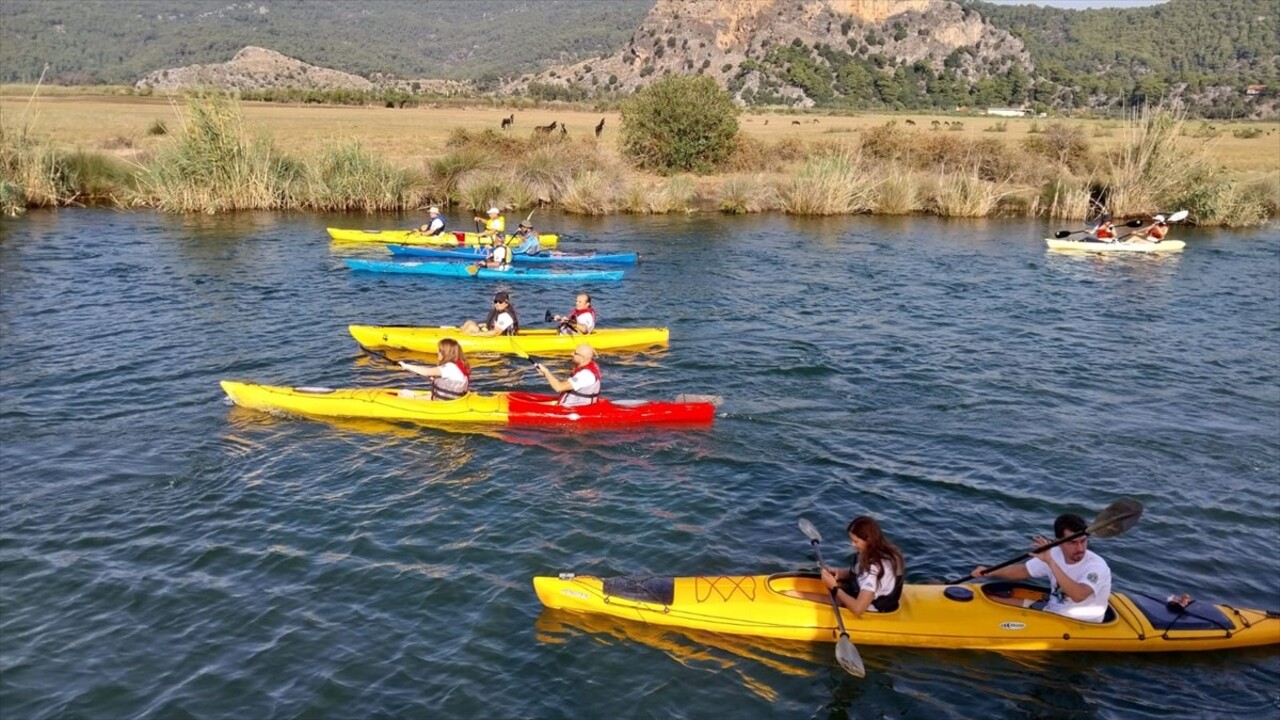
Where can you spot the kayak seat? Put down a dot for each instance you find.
(642, 589)
(1033, 592)
(1197, 616)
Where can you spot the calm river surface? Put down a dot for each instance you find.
(166, 555)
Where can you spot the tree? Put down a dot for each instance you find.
(680, 123)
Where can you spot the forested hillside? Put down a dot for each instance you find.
(1142, 54)
(116, 42)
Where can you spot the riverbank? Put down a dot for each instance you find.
(134, 152)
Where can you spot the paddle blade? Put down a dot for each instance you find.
(548, 317)
(472, 270)
(848, 657)
(687, 398)
(1064, 233)
(809, 530)
(1116, 518)
(1180, 215)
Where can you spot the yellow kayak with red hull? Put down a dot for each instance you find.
(796, 606)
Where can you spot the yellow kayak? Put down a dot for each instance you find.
(413, 237)
(796, 606)
(530, 342)
(1122, 246)
(382, 403)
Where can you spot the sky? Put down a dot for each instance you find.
(1080, 4)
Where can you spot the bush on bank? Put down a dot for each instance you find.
(212, 163)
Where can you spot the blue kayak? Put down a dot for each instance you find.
(447, 269)
(545, 257)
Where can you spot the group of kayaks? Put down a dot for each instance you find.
(789, 606)
(477, 408)
(415, 253)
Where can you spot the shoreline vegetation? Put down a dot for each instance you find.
(207, 158)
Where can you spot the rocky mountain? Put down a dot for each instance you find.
(782, 49)
(255, 68)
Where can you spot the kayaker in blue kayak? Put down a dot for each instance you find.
(435, 225)
(1079, 579)
(581, 321)
(583, 385)
(502, 319)
(528, 240)
(450, 378)
(875, 583)
(498, 258)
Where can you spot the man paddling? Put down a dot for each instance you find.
(1079, 579)
(583, 385)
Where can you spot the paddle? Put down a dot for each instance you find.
(521, 353)
(846, 654)
(1134, 223)
(1115, 519)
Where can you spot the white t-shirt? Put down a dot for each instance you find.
(583, 381)
(1092, 570)
(878, 585)
(452, 379)
(503, 322)
(501, 254)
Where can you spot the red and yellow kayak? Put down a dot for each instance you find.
(413, 237)
(504, 408)
(796, 606)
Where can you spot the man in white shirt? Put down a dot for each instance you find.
(1079, 580)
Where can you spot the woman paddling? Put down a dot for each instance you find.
(875, 583)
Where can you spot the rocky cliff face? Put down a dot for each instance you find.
(255, 68)
(729, 39)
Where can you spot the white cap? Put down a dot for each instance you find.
(494, 211)
(1158, 218)
(433, 209)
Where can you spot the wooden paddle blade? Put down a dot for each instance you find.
(848, 657)
(809, 530)
(1116, 518)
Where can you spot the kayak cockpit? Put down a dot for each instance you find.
(1011, 592)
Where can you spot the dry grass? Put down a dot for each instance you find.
(460, 153)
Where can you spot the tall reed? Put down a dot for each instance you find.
(966, 194)
(346, 177)
(830, 184)
(214, 166)
(741, 194)
(593, 192)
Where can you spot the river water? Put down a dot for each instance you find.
(166, 555)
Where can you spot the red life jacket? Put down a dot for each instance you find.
(1105, 232)
(591, 396)
(450, 389)
(1157, 232)
(567, 327)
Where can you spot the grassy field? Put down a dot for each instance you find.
(408, 137)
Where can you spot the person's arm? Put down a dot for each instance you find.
(1077, 591)
(858, 604)
(556, 383)
(423, 370)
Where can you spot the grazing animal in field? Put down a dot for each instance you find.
(935, 124)
(766, 122)
(564, 132)
(508, 121)
(545, 129)
(600, 127)
(911, 122)
(795, 122)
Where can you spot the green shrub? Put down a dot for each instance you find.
(680, 124)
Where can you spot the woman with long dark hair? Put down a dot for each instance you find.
(874, 584)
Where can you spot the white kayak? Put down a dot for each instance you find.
(1122, 246)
